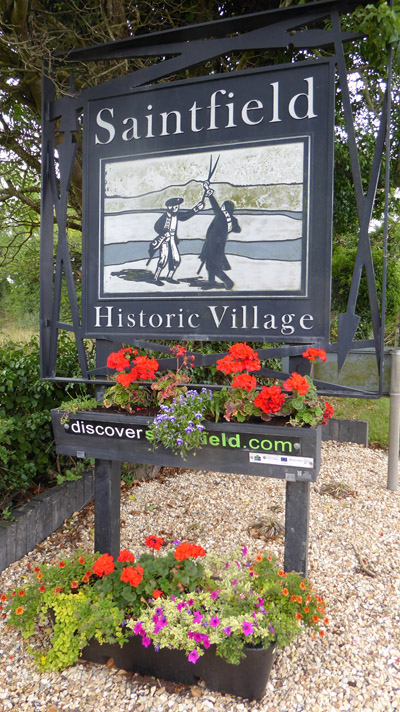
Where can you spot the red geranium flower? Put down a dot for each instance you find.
(118, 359)
(132, 575)
(245, 381)
(126, 555)
(312, 354)
(328, 412)
(298, 383)
(270, 399)
(188, 551)
(154, 542)
(157, 593)
(103, 565)
(240, 357)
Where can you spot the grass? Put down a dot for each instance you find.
(375, 411)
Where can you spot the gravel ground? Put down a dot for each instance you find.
(354, 562)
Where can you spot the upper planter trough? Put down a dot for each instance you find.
(242, 448)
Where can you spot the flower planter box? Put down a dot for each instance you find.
(243, 448)
(248, 679)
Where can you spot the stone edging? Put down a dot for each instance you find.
(42, 515)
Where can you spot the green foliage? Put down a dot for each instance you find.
(342, 272)
(26, 450)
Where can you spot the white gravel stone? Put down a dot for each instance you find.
(354, 562)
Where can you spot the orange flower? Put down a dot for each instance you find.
(315, 619)
(259, 557)
(39, 577)
(326, 621)
(285, 592)
(298, 383)
(269, 557)
(294, 598)
(280, 572)
(302, 586)
(299, 616)
(157, 593)
(19, 611)
(306, 609)
(81, 560)
(299, 599)
(42, 589)
(322, 633)
(74, 584)
(85, 578)
(21, 592)
(62, 564)
(57, 589)
(3, 597)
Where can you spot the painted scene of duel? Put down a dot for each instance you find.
(211, 221)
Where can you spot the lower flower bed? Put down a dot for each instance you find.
(248, 679)
(243, 448)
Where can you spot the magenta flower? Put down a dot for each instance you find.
(193, 656)
(215, 621)
(146, 641)
(228, 631)
(244, 550)
(138, 629)
(247, 628)
(206, 641)
(197, 618)
(215, 594)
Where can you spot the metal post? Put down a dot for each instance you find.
(107, 498)
(296, 526)
(394, 420)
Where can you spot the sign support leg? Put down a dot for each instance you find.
(296, 526)
(107, 498)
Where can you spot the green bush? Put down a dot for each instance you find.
(27, 455)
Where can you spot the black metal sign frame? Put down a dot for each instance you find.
(181, 49)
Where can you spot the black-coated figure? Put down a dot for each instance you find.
(213, 252)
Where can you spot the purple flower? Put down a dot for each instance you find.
(272, 629)
(215, 594)
(193, 656)
(247, 628)
(179, 442)
(215, 621)
(176, 542)
(157, 648)
(146, 641)
(244, 550)
(159, 611)
(228, 631)
(172, 597)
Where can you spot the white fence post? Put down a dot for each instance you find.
(394, 420)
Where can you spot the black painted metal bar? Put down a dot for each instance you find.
(297, 518)
(107, 497)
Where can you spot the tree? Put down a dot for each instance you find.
(31, 31)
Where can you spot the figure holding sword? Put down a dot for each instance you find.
(213, 252)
